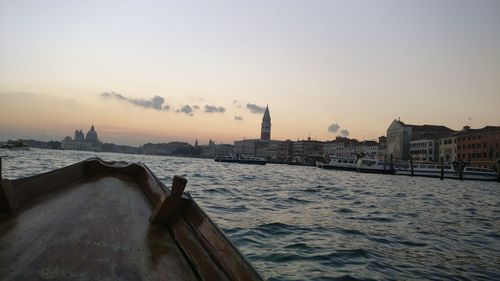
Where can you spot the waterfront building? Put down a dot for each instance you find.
(399, 136)
(352, 148)
(448, 148)
(265, 131)
(424, 150)
(171, 148)
(307, 152)
(89, 143)
(480, 147)
(249, 147)
(382, 148)
(340, 147)
(367, 149)
(216, 150)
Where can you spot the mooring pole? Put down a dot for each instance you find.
(0, 168)
(411, 165)
(498, 170)
(442, 168)
(461, 169)
(392, 166)
(385, 162)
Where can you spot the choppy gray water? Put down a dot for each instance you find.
(304, 223)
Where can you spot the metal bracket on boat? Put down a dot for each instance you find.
(169, 204)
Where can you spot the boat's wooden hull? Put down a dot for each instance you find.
(89, 221)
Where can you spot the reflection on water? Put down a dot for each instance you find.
(304, 223)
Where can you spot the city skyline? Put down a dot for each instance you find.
(160, 71)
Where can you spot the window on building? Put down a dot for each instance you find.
(454, 140)
(484, 145)
(473, 145)
(484, 154)
(478, 137)
(473, 137)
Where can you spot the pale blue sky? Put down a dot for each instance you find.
(356, 63)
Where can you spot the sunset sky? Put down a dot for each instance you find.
(159, 71)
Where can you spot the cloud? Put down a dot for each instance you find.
(238, 118)
(196, 107)
(344, 133)
(333, 128)
(213, 109)
(255, 108)
(187, 109)
(237, 103)
(155, 103)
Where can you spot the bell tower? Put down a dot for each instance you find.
(265, 131)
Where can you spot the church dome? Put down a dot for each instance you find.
(91, 135)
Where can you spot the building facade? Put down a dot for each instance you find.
(448, 148)
(399, 136)
(89, 143)
(216, 150)
(424, 150)
(398, 140)
(480, 147)
(307, 152)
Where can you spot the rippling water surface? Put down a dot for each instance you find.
(304, 223)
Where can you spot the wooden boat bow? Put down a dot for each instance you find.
(110, 221)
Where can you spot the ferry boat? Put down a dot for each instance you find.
(476, 173)
(449, 171)
(427, 170)
(15, 145)
(367, 165)
(110, 221)
(352, 164)
(241, 160)
(339, 163)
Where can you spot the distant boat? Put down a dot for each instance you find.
(339, 163)
(427, 170)
(365, 165)
(475, 173)
(16, 145)
(241, 160)
(449, 172)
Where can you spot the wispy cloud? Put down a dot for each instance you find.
(333, 128)
(255, 108)
(344, 133)
(214, 109)
(238, 118)
(155, 102)
(186, 109)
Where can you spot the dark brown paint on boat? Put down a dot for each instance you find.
(91, 221)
